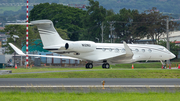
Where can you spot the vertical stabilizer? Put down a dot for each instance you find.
(48, 33)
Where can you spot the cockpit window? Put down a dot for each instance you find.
(161, 48)
(165, 49)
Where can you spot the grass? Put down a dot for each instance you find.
(103, 73)
(144, 65)
(155, 65)
(92, 96)
(40, 69)
(143, 70)
(9, 8)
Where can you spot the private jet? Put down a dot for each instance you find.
(105, 53)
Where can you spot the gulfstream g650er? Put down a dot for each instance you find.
(97, 52)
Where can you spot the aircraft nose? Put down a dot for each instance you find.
(172, 56)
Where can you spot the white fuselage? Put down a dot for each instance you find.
(97, 52)
(92, 52)
(112, 53)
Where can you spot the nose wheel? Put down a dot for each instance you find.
(106, 65)
(89, 66)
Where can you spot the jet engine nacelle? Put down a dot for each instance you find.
(81, 46)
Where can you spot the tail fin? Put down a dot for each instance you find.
(48, 33)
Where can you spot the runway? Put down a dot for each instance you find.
(85, 81)
(89, 84)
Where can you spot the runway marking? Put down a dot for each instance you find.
(89, 86)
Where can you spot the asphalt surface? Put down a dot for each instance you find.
(54, 71)
(85, 81)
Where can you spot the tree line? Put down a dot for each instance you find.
(77, 24)
(170, 6)
(128, 25)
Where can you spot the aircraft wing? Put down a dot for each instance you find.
(128, 55)
(18, 51)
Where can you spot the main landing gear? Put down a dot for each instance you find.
(89, 66)
(106, 65)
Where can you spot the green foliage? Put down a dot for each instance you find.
(7, 8)
(170, 6)
(119, 95)
(63, 17)
(133, 26)
(173, 47)
(62, 33)
(19, 30)
(125, 28)
(155, 24)
(94, 17)
(117, 72)
(129, 25)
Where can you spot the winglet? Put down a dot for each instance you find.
(128, 50)
(16, 49)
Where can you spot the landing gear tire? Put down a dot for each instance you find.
(106, 65)
(103, 65)
(89, 66)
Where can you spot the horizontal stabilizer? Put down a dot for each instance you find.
(22, 54)
(41, 22)
(16, 49)
(37, 22)
(18, 23)
(49, 56)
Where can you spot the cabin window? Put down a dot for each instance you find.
(143, 50)
(123, 50)
(136, 50)
(116, 50)
(149, 50)
(110, 49)
(103, 49)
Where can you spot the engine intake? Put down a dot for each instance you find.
(66, 45)
(81, 46)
